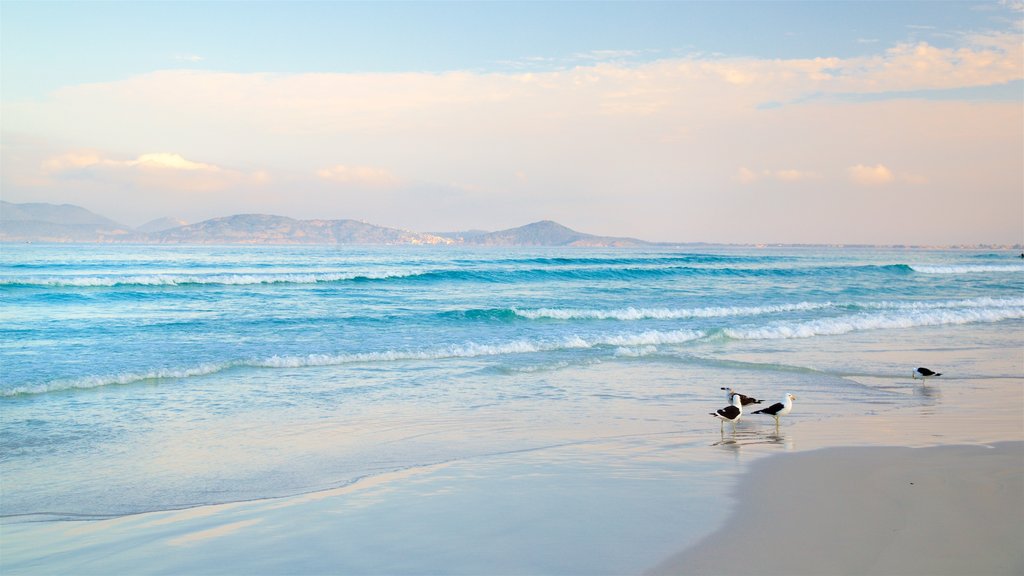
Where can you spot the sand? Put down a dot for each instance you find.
(934, 488)
(872, 510)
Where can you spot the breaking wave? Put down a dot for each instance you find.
(877, 321)
(466, 350)
(633, 313)
(484, 275)
(967, 268)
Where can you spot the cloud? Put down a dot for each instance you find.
(358, 175)
(669, 131)
(871, 175)
(162, 170)
(188, 58)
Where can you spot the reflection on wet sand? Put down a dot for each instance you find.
(734, 440)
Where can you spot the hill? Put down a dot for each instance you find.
(267, 229)
(41, 222)
(161, 224)
(548, 233)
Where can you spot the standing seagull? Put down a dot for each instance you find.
(730, 413)
(924, 372)
(744, 399)
(779, 408)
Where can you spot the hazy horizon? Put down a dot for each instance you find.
(815, 123)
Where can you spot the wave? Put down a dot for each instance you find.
(124, 378)
(465, 350)
(637, 260)
(483, 275)
(845, 324)
(985, 302)
(633, 313)
(966, 268)
(188, 279)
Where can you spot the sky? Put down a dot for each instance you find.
(735, 122)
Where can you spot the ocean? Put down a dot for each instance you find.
(141, 378)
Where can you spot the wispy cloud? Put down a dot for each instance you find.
(871, 175)
(161, 170)
(669, 130)
(188, 58)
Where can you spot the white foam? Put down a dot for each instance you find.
(636, 352)
(123, 378)
(938, 304)
(846, 324)
(465, 350)
(632, 313)
(966, 268)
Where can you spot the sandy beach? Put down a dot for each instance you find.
(931, 490)
(879, 510)
(906, 499)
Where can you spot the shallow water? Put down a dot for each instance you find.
(149, 378)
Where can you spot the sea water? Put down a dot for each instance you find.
(146, 378)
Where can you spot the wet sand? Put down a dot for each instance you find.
(872, 510)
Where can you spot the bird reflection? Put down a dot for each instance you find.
(736, 439)
(929, 392)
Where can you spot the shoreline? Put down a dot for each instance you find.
(952, 509)
(573, 508)
(842, 501)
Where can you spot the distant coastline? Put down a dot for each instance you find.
(69, 224)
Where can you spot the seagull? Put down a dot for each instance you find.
(779, 408)
(744, 399)
(730, 413)
(924, 372)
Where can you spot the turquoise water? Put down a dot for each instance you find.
(142, 378)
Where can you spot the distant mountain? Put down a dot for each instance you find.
(40, 222)
(266, 229)
(548, 233)
(161, 224)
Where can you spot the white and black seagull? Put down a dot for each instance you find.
(924, 373)
(745, 400)
(779, 408)
(730, 413)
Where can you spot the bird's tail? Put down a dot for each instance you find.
(939, 374)
(758, 412)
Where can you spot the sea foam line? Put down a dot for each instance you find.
(966, 268)
(465, 350)
(633, 313)
(846, 324)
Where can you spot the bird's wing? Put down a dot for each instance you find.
(773, 409)
(730, 412)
